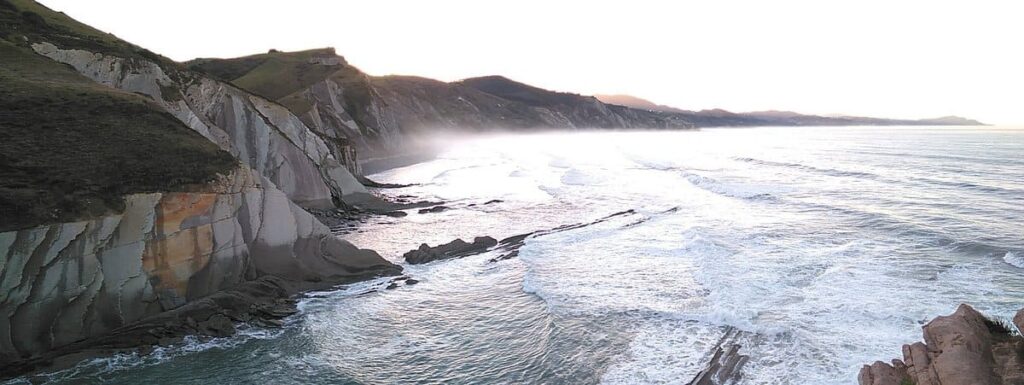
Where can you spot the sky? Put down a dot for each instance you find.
(896, 59)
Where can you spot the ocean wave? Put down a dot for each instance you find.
(954, 158)
(1015, 259)
(1009, 192)
(98, 368)
(577, 177)
(559, 163)
(959, 185)
(825, 171)
(733, 190)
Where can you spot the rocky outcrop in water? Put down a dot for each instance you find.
(69, 282)
(454, 249)
(964, 348)
(726, 363)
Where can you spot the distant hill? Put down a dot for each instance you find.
(952, 121)
(635, 102)
(378, 113)
(719, 117)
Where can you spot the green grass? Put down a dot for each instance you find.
(71, 148)
(273, 75)
(907, 381)
(24, 21)
(282, 76)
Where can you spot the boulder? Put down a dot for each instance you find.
(880, 373)
(218, 325)
(964, 348)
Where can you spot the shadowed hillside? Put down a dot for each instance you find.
(69, 147)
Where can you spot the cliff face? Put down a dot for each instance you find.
(379, 113)
(66, 282)
(340, 102)
(177, 200)
(263, 135)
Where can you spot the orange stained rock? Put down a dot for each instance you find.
(174, 255)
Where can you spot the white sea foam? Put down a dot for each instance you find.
(577, 177)
(123, 362)
(735, 190)
(1014, 259)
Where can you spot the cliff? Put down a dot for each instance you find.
(964, 348)
(68, 282)
(70, 148)
(260, 133)
(378, 114)
(381, 113)
(142, 201)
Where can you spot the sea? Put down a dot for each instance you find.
(824, 248)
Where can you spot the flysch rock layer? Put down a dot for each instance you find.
(68, 282)
(964, 348)
(263, 135)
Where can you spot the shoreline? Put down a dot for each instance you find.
(263, 303)
(378, 164)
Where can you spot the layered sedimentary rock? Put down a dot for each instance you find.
(67, 282)
(262, 134)
(964, 348)
(726, 363)
(189, 254)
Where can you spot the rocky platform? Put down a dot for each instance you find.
(454, 249)
(726, 363)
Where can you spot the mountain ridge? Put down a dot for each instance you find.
(787, 117)
(379, 113)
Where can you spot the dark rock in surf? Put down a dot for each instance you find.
(512, 244)
(374, 184)
(218, 325)
(726, 362)
(454, 249)
(435, 209)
